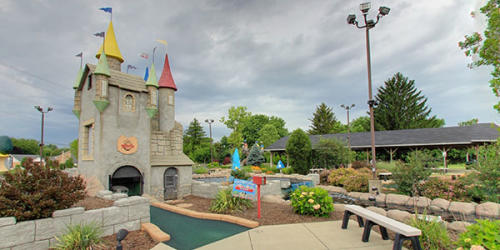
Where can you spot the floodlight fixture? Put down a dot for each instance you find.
(365, 7)
(351, 19)
(39, 108)
(50, 109)
(384, 10)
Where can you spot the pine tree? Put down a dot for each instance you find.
(194, 135)
(324, 121)
(402, 106)
(255, 158)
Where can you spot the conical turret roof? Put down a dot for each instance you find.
(152, 80)
(111, 46)
(166, 79)
(78, 78)
(102, 67)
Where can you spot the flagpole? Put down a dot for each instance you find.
(81, 60)
(154, 55)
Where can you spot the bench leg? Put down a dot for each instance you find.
(345, 220)
(360, 221)
(398, 242)
(415, 243)
(399, 239)
(366, 231)
(383, 232)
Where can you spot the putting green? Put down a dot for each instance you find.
(189, 233)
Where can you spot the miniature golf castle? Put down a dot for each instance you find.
(128, 136)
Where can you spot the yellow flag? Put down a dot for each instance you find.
(162, 42)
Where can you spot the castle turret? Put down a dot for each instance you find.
(152, 86)
(111, 49)
(101, 76)
(166, 101)
(78, 94)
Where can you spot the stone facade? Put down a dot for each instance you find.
(210, 190)
(126, 213)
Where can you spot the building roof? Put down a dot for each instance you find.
(424, 137)
(152, 80)
(110, 45)
(117, 78)
(78, 77)
(102, 66)
(166, 79)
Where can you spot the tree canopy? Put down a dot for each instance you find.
(468, 123)
(402, 106)
(488, 48)
(360, 124)
(299, 150)
(324, 121)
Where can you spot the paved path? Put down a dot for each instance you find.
(310, 236)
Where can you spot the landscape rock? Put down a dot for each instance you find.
(399, 215)
(419, 203)
(378, 210)
(333, 189)
(69, 211)
(365, 199)
(463, 210)
(381, 200)
(488, 210)
(440, 206)
(396, 201)
(458, 226)
(355, 195)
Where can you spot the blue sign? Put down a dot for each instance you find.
(236, 160)
(244, 189)
(280, 165)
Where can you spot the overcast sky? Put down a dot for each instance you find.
(280, 58)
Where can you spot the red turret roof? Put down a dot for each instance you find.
(166, 80)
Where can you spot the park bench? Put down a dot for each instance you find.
(403, 232)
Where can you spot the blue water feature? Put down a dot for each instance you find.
(190, 233)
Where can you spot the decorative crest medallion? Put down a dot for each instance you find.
(127, 145)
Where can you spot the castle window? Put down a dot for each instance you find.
(170, 99)
(104, 88)
(128, 103)
(90, 82)
(87, 143)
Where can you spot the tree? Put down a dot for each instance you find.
(489, 49)
(193, 136)
(298, 148)
(5, 144)
(329, 153)
(279, 124)
(73, 147)
(236, 118)
(324, 121)
(468, 123)
(268, 135)
(252, 126)
(402, 106)
(255, 158)
(360, 124)
(25, 146)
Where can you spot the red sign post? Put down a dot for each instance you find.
(259, 180)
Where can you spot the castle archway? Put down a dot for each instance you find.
(170, 182)
(128, 177)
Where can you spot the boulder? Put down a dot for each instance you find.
(377, 210)
(355, 195)
(420, 204)
(381, 200)
(365, 199)
(333, 189)
(458, 226)
(462, 210)
(399, 215)
(440, 207)
(396, 201)
(488, 210)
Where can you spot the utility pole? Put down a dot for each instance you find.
(210, 121)
(347, 108)
(43, 121)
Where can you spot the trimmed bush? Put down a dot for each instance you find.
(299, 150)
(311, 201)
(240, 174)
(338, 176)
(225, 202)
(352, 180)
(357, 183)
(408, 176)
(36, 192)
(80, 237)
(200, 170)
(434, 234)
(453, 190)
(484, 233)
(360, 164)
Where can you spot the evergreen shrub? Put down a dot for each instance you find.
(299, 150)
(80, 236)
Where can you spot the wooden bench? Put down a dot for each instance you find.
(403, 231)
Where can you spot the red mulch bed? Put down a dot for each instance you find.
(271, 213)
(90, 203)
(138, 240)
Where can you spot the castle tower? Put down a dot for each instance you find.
(111, 49)
(167, 98)
(101, 75)
(78, 94)
(152, 106)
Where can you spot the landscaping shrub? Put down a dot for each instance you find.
(484, 233)
(225, 202)
(357, 182)
(213, 165)
(434, 234)
(360, 164)
(454, 190)
(331, 153)
(489, 173)
(407, 176)
(338, 176)
(200, 170)
(255, 158)
(323, 176)
(311, 201)
(36, 192)
(384, 165)
(298, 148)
(80, 237)
(287, 170)
(240, 174)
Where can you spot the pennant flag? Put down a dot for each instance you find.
(131, 67)
(144, 55)
(100, 34)
(79, 55)
(162, 42)
(146, 75)
(236, 160)
(280, 165)
(107, 9)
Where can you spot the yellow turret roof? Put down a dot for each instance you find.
(111, 48)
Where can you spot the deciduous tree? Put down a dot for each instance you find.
(298, 148)
(268, 135)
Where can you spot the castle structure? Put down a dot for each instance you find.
(128, 136)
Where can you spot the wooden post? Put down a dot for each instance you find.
(477, 153)
(367, 157)
(271, 159)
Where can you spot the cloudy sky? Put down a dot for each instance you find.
(278, 58)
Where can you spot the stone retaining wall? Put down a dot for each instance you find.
(126, 213)
(454, 210)
(210, 189)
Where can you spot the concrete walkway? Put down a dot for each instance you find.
(317, 235)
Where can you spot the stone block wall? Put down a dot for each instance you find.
(166, 143)
(127, 213)
(209, 190)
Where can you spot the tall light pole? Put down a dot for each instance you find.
(43, 121)
(347, 108)
(210, 121)
(351, 19)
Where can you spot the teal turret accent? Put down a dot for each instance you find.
(152, 81)
(78, 79)
(151, 111)
(101, 104)
(102, 66)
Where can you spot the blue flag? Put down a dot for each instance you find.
(280, 165)
(146, 75)
(107, 9)
(236, 160)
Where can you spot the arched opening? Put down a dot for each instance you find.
(128, 177)
(170, 178)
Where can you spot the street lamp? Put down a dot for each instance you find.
(347, 108)
(351, 19)
(210, 121)
(41, 140)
